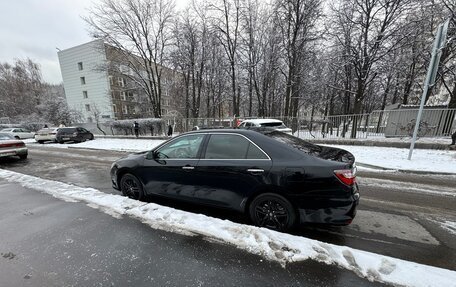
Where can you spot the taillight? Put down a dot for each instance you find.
(346, 176)
(20, 144)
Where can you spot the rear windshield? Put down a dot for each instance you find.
(323, 152)
(273, 124)
(6, 136)
(67, 130)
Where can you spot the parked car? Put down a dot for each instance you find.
(46, 134)
(19, 133)
(265, 123)
(10, 146)
(276, 179)
(74, 134)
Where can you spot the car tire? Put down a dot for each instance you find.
(91, 137)
(41, 142)
(17, 137)
(272, 211)
(61, 142)
(23, 156)
(132, 187)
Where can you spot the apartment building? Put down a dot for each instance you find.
(95, 89)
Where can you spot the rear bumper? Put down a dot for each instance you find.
(13, 152)
(67, 138)
(334, 211)
(45, 137)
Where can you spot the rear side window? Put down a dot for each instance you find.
(67, 130)
(232, 147)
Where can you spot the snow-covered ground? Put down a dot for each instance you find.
(132, 145)
(380, 138)
(275, 246)
(389, 158)
(396, 158)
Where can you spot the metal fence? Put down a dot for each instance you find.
(385, 123)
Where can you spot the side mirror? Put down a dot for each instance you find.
(151, 155)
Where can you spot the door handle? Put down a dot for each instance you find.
(255, 170)
(188, 167)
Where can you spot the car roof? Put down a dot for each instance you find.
(262, 121)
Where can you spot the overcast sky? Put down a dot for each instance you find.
(35, 28)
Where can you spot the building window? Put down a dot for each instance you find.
(121, 82)
(123, 97)
(114, 108)
(83, 80)
(87, 108)
(84, 94)
(125, 109)
(80, 66)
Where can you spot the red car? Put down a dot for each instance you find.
(9, 146)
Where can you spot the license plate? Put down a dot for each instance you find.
(66, 139)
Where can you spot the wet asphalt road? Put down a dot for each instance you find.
(48, 242)
(398, 216)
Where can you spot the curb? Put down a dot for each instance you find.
(403, 170)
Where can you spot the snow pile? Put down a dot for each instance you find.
(272, 245)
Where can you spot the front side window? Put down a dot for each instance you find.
(185, 147)
(226, 146)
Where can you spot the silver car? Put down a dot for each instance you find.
(19, 133)
(10, 146)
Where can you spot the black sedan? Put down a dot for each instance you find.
(277, 179)
(73, 134)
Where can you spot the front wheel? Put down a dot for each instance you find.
(272, 211)
(131, 187)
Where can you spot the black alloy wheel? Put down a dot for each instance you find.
(131, 187)
(272, 211)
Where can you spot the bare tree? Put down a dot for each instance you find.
(297, 20)
(226, 21)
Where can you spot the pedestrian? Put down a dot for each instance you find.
(453, 138)
(170, 130)
(136, 128)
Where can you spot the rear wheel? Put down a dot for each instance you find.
(272, 211)
(131, 187)
(40, 142)
(17, 137)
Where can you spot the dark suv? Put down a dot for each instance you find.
(74, 134)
